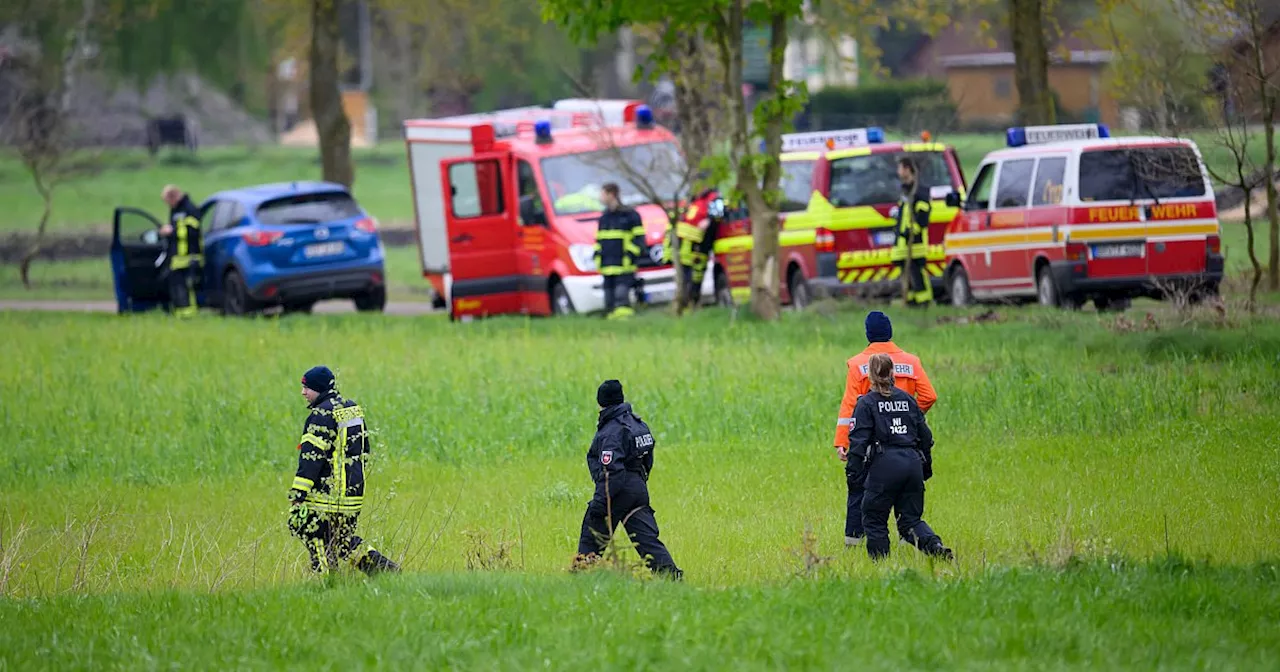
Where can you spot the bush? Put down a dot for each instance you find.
(882, 103)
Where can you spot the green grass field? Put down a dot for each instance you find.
(1078, 460)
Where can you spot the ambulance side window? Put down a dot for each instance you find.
(1015, 183)
(980, 195)
(1049, 174)
(477, 188)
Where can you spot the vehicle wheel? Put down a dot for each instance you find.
(235, 295)
(799, 288)
(437, 302)
(561, 304)
(960, 293)
(1046, 289)
(372, 301)
(724, 295)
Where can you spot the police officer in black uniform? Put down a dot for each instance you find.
(912, 242)
(328, 488)
(891, 453)
(184, 251)
(620, 460)
(619, 243)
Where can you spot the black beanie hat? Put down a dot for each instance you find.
(879, 328)
(319, 379)
(610, 393)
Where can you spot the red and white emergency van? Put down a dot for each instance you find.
(1068, 213)
(839, 216)
(507, 203)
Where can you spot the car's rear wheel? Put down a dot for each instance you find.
(960, 293)
(235, 295)
(372, 301)
(1046, 288)
(799, 288)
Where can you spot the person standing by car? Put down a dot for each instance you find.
(183, 250)
(619, 243)
(911, 247)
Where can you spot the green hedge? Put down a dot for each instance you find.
(886, 99)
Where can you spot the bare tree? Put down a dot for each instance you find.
(38, 124)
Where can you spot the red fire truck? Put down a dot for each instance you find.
(839, 209)
(507, 203)
(1068, 214)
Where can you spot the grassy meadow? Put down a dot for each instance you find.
(1109, 491)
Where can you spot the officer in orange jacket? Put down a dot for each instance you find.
(908, 375)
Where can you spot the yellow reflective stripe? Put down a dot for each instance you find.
(846, 153)
(934, 269)
(924, 147)
(303, 484)
(346, 414)
(315, 441)
(631, 248)
(793, 238)
(733, 244)
(923, 205)
(740, 293)
(322, 558)
(801, 156)
(689, 232)
(611, 234)
(618, 270)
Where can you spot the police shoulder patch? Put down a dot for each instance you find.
(606, 457)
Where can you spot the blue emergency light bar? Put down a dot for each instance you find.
(1019, 136)
(644, 117)
(820, 140)
(542, 132)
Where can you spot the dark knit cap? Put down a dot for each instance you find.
(610, 393)
(319, 379)
(879, 329)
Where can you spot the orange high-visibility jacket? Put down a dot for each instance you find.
(908, 376)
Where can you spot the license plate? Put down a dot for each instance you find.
(323, 250)
(1117, 251)
(885, 237)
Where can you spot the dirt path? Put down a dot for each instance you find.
(394, 308)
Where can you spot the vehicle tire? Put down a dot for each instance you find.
(372, 301)
(561, 304)
(958, 289)
(799, 289)
(235, 295)
(724, 295)
(1047, 289)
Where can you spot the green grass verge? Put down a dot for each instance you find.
(131, 177)
(1169, 615)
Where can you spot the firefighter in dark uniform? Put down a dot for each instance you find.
(695, 234)
(891, 454)
(619, 243)
(183, 251)
(620, 460)
(911, 248)
(328, 488)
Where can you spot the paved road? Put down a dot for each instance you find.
(394, 308)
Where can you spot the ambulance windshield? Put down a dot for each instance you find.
(873, 179)
(574, 180)
(1140, 173)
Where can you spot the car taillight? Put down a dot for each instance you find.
(377, 278)
(260, 238)
(1213, 244)
(1077, 252)
(368, 225)
(824, 241)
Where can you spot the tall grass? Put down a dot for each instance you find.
(1057, 436)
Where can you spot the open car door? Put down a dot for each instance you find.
(137, 262)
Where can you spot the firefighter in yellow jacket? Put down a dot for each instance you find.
(911, 249)
(184, 252)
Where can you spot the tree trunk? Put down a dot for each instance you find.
(1253, 255)
(1031, 62)
(332, 127)
(24, 266)
(765, 300)
(1267, 100)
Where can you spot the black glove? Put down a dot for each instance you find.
(855, 471)
(926, 464)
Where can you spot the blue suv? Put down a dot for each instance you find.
(286, 245)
